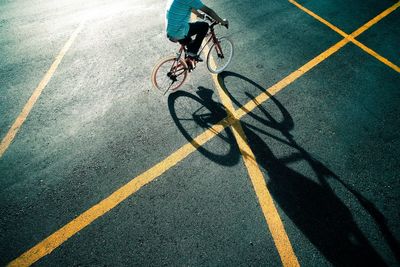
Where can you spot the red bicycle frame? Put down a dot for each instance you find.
(178, 66)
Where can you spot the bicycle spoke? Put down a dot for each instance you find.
(219, 55)
(218, 49)
(169, 75)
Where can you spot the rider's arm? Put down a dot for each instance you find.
(197, 13)
(214, 15)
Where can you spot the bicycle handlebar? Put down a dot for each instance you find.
(213, 21)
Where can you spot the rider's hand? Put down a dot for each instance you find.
(225, 23)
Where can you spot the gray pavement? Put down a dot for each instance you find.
(327, 144)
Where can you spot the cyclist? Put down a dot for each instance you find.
(180, 30)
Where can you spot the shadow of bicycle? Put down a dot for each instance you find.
(308, 200)
(193, 114)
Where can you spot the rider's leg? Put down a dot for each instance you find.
(187, 40)
(200, 29)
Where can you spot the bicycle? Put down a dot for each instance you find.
(171, 72)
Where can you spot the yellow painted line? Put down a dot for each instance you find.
(377, 56)
(67, 231)
(271, 215)
(373, 21)
(269, 210)
(9, 137)
(252, 104)
(356, 33)
(46, 246)
(312, 14)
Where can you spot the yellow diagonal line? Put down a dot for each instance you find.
(352, 36)
(377, 56)
(373, 21)
(9, 137)
(252, 104)
(267, 205)
(46, 246)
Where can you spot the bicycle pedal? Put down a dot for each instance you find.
(191, 66)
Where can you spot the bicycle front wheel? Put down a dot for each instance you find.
(220, 55)
(169, 74)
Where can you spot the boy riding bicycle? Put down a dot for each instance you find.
(179, 29)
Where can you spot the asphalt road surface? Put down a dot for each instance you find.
(289, 157)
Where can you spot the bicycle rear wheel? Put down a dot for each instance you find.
(220, 55)
(169, 74)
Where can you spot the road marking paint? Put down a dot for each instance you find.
(373, 21)
(269, 210)
(252, 104)
(60, 236)
(377, 56)
(46, 246)
(312, 14)
(356, 33)
(271, 215)
(9, 137)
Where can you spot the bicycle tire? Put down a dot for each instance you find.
(216, 64)
(163, 80)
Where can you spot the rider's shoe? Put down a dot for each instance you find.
(194, 56)
(191, 63)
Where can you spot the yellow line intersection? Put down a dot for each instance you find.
(268, 208)
(351, 37)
